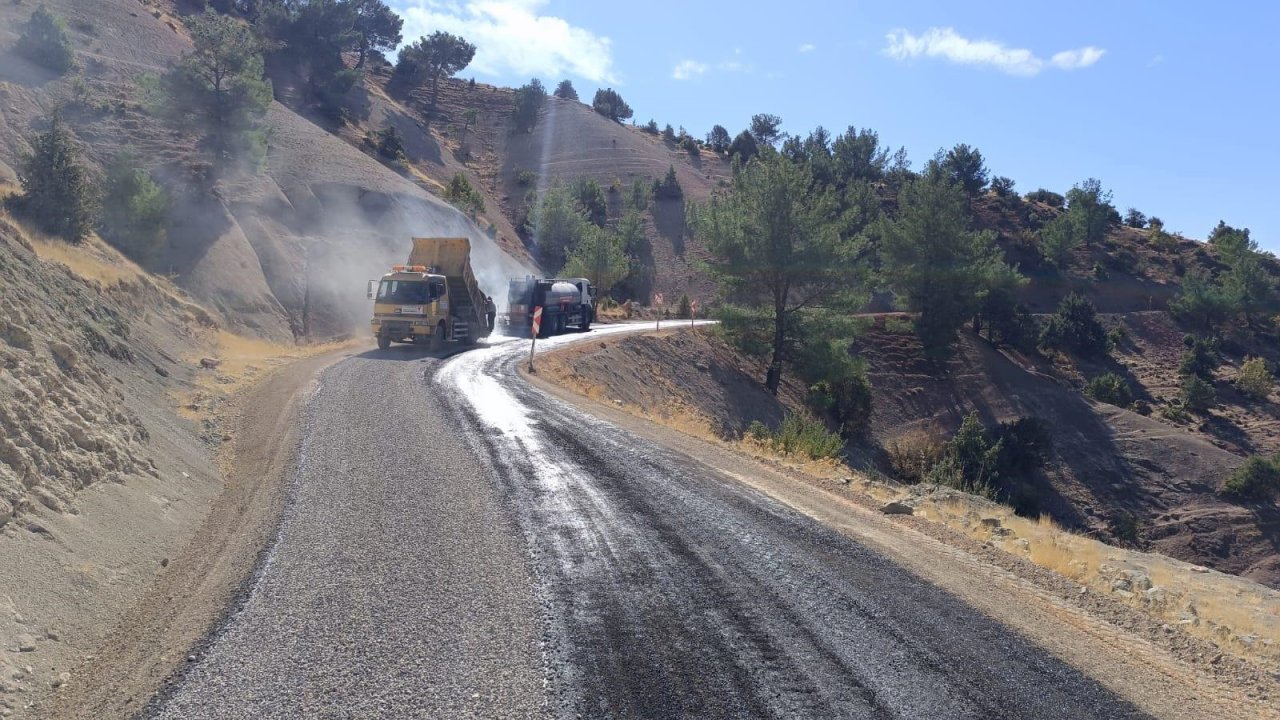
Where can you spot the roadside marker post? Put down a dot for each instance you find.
(657, 303)
(693, 312)
(533, 335)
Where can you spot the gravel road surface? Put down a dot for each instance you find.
(460, 544)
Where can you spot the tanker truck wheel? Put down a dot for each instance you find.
(586, 320)
(384, 341)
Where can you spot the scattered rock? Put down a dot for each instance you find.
(64, 354)
(164, 563)
(991, 522)
(897, 508)
(845, 480)
(160, 371)
(209, 363)
(62, 679)
(26, 643)
(1122, 584)
(1199, 569)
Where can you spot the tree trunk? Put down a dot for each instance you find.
(774, 377)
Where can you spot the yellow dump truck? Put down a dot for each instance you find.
(431, 299)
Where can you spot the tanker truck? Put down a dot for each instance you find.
(432, 299)
(565, 303)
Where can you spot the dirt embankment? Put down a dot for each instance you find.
(113, 403)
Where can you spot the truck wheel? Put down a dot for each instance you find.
(384, 341)
(586, 320)
(437, 337)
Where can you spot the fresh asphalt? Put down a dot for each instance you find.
(460, 544)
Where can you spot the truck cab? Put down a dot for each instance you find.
(411, 304)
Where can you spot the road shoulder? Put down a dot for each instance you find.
(197, 587)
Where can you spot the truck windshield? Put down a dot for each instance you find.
(403, 291)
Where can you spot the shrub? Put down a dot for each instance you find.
(135, 210)
(55, 187)
(689, 145)
(668, 133)
(1200, 360)
(460, 192)
(1075, 327)
(1174, 411)
(651, 127)
(668, 188)
(388, 143)
(1255, 380)
(1134, 218)
(913, 455)
(1025, 444)
(994, 463)
(1111, 389)
(1197, 394)
(718, 139)
(799, 435)
(803, 435)
(44, 41)
(638, 198)
(1048, 197)
(684, 308)
(1257, 479)
(970, 459)
(526, 178)
(565, 91)
(1116, 336)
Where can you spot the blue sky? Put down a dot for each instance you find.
(1171, 104)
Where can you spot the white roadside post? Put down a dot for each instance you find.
(693, 312)
(533, 334)
(657, 303)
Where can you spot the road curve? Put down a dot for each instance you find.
(460, 544)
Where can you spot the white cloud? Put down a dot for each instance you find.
(807, 48)
(947, 44)
(1074, 59)
(513, 38)
(688, 69)
(735, 64)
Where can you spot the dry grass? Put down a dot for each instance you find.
(1235, 614)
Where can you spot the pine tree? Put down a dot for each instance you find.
(55, 187)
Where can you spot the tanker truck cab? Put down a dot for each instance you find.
(411, 304)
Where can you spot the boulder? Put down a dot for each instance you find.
(897, 508)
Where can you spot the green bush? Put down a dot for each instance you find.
(1002, 186)
(55, 187)
(610, 104)
(1197, 394)
(994, 463)
(1200, 360)
(135, 210)
(689, 145)
(1111, 389)
(1255, 379)
(526, 178)
(460, 192)
(803, 435)
(668, 188)
(651, 127)
(1257, 479)
(684, 308)
(1116, 336)
(1048, 197)
(1075, 328)
(44, 41)
(388, 143)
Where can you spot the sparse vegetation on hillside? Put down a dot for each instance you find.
(1257, 479)
(530, 98)
(565, 91)
(1090, 206)
(438, 55)
(462, 193)
(1110, 388)
(718, 139)
(56, 194)
(387, 143)
(218, 89)
(743, 147)
(668, 188)
(1255, 379)
(1075, 328)
(1197, 394)
(610, 104)
(799, 435)
(135, 210)
(1048, 197)
(44, 41)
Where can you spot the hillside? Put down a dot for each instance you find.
(320, 220)
(570, 141)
